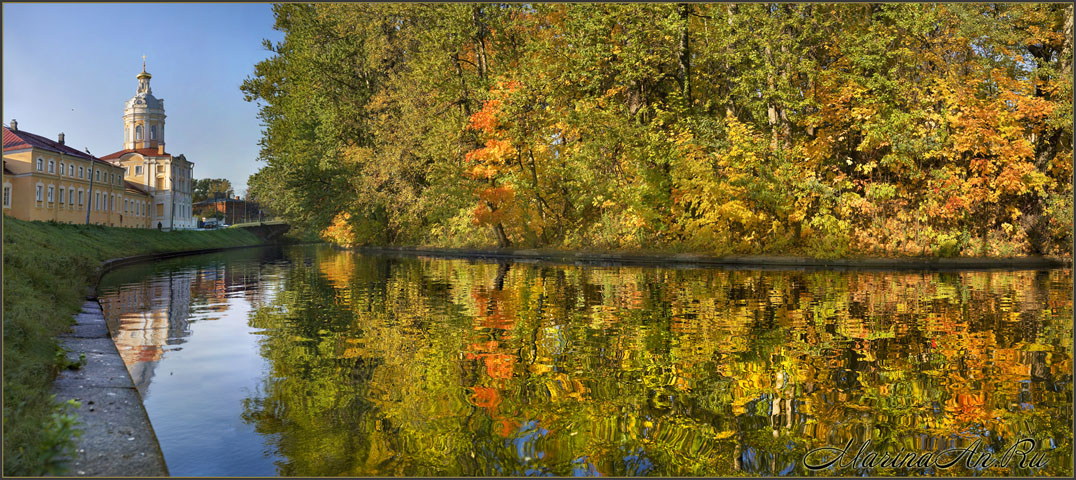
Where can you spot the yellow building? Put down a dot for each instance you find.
(167, 178)
(48, 180)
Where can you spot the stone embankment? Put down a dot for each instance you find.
(117, 438)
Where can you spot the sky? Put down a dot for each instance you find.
(70, 67)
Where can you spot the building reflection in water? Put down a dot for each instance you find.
(154, 316)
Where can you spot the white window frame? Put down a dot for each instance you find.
(80, 192)
(63, 168)
(71, 170)
(52, 193)
(7, 195)
(60, 199)
(40, 164)
(97, 201)
(71, 196)
(52, 166)
(80, 172)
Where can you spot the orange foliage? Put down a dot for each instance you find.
(340, 231)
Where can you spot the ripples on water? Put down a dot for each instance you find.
(314, 362)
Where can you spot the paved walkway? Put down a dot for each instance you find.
(117, 438)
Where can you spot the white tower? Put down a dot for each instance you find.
(143, 116)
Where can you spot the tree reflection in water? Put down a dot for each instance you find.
(404, 366)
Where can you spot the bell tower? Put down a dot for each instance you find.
(143, 116)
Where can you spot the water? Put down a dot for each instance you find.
(309, 361)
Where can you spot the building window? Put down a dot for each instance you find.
(52, 190)
(61, 199)
(138, 169)
(7, 196)
(125, 206)
(97, 174)
(152, 132)
(97, 201)
(80, 197)
(112, 178)
(40, 165)
(71, 170)
(52, 166)
(39, 192)
(71, 196)
(63, 167)
(138, 132)
(80, 172)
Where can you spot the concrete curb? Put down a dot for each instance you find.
(117, 437)
(735, 261)
(114, 263)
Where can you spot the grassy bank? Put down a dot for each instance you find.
(47, 269)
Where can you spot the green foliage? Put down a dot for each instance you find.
(58, 439)
(211, 188)
(63, 361)
(825, 129)
(47, 270)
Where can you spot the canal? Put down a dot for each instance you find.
(311, 361)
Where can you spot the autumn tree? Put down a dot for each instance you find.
(891, 129)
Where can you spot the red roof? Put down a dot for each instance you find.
(19, 139)
(145, 152)
(134, 186)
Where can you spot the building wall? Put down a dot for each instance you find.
(167, 187)
(104, 198)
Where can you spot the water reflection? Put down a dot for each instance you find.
(147, 317)
(180, 326)
(402, 366)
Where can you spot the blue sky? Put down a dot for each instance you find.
(70, 67)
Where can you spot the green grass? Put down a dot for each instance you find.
(48, 268)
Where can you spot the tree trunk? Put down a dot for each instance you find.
(481, 32)
(771, 106)
(498, 230)
(730, 107)
(465, 100)
(685, 52)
